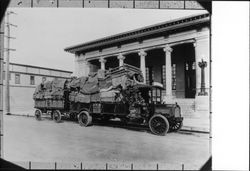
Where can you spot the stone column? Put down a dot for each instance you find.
(83, 65)
(197, 68)
(121, 59)
(168, 67)
(103, 61)
(76, 69)
(142, 55)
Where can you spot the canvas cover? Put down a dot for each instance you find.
(76, 83)
(50, 89)
(98, 86)
(91, 85)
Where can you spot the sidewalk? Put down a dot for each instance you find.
(196, 124)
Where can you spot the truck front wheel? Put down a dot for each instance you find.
(159, 124)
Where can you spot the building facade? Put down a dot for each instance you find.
(170, 53)
(23, 82)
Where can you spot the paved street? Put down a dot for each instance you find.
(26, 139)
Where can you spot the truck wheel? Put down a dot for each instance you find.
(84, 118)
(159, 125)
(57, 116)
(38, 114)
(176, 126)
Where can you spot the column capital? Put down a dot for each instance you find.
(120, 56)
(87, 62)
(142, 53)
(102, 60)
(167, 48)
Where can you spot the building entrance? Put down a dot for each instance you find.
(184, 71)
(190, 79)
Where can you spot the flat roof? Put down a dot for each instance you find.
(32, 66)
(140, 33)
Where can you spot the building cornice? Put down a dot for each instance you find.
(42, 75)
(38, 67)
(140, 33)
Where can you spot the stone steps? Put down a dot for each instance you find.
(187, 107)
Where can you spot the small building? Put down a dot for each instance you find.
(23, 82)
(169, 53)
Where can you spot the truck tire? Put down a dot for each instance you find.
(176, 126)
(57, 116)
(38, 114)
(84, 119)
(159, 124)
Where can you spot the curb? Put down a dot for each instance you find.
(194, 129)
(184, 128)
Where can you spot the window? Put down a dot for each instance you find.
(193, 66)
(32, 80)
(17, 78)
(173, 76)
(186, 66)
(149, 75)
(164, 76)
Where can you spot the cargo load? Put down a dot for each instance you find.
(98, 86)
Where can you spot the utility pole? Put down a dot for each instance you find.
(8, 49)
(1, 84)
(3, 5)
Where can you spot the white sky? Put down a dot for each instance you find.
(43, 33)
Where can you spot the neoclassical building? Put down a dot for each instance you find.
(169, 53)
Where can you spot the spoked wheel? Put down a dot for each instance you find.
(57, 116)
(38, 114)
(84, 118)
(159, 125)
(176, 126)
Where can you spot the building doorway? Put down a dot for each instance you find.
(184, 71)
(190, 79)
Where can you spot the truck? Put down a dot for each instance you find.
(108, 94)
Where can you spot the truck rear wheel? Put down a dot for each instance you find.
(176, 126)
(38, 114)
(159, 124)
(84, 119)
(57, 116)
